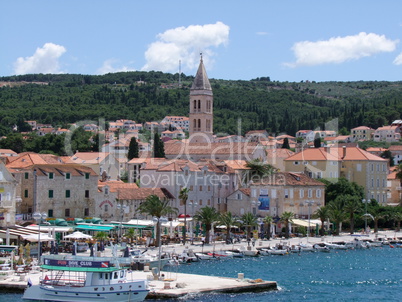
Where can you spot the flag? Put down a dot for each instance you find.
(29, 282)
(105, 264)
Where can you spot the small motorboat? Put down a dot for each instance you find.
(321, 248)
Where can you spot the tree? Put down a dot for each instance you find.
(285, 144)
(397, 217)
(352, 205)
(227, 220)
(133, 150)
(322, 213)
(248, 220)
(268, 220)
(286, 218)
(337, 214)
(257, 170)
(317, 140)
(131, 233)
(341, 187)
(376, 213)
(156, 207)
(159, 149)
(183, 196)
(207, 216)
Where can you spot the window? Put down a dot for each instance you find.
(68, 175)
(106, 191)
(318, 193)
(310, 193)
(51, 175)
(106, 207)
(209, 188)
(273, 193)
(359, 167)
(209, 202)
(26, 193)
(50, 193)
(86, 175)
(200, 188)
(200, 202)
(301, 193)
(68, 193)
(291, 193)
(191, 188)
(50, 213)
(286, 193)
(86, 193)
(296, 163)
(253, 193)
(26, 175)
(86, 212)
(67, 212)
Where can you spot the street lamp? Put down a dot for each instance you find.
(309, 204)
(38, 217)
(160, 221)
(192, 204)
(365, 215)
(122, 208)
(255, 204)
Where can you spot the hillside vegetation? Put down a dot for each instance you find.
(277, 107)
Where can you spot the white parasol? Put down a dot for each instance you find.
(78, 235)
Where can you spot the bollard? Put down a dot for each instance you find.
(240, 276)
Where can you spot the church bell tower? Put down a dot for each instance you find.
(201, 108)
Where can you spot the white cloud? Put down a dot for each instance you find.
(398, 60)
(108, 68)
(340, 49)
(185, 44)
(44, 60)
(261, 33)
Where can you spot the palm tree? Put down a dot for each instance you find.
(248, 220)
(183, 196)
(256, 170)
(131, 233)
(102, 237)
(337, 214)
(322, 213)
(397, 217)
(156, 207)
(351, 206)
(268, 220)
(207, 216)
(376, 212)
(286, 218)
(228, 220)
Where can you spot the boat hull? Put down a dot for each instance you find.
(84, 294)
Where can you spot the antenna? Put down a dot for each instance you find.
(179, 73)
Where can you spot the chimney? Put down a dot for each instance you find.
(344, 152)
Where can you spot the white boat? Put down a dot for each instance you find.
(274, 251)
(235, 254)
(82, 281)
(334, 246)
(143, 257)
(321, 248)
(203, 256)
(357, 244)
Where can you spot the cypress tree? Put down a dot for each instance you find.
(133, 150)
(159, 150)
(285, 143)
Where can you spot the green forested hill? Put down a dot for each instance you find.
(260, 103)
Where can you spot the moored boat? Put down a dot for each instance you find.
(82, 280)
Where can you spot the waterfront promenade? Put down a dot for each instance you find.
(174, 285)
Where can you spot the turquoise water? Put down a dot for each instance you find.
(351, 275)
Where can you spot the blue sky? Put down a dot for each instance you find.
(285, 40)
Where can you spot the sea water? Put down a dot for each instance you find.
(345, 275)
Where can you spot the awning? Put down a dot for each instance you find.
(304, 223)
(86, 227)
